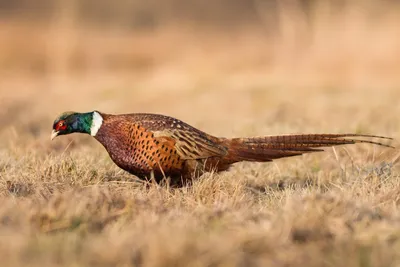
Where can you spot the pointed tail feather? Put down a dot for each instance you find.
(267, 148)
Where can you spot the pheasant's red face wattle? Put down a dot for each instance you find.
(60, 126)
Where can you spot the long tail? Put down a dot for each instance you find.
(268, 148)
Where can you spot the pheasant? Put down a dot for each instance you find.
(158, 146)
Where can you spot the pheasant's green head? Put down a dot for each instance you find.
(73, 122)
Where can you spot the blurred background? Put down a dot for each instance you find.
(230, 68)
(222, 64)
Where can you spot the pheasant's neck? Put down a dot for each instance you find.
(89, 123)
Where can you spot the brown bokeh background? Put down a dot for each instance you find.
(284, 43)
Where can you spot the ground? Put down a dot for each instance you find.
(64, 203)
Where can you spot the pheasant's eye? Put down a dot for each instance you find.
(61, 126)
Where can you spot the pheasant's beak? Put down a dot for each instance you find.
(54, 134)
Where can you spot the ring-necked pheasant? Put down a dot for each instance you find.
(143, 144)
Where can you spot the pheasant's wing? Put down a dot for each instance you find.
(191, 144)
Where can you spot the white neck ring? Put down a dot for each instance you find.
(97, 121)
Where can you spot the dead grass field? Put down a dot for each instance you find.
(64, 203)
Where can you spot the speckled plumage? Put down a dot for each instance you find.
(146, 144)
(156, 143)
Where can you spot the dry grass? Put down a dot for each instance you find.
(64, 203)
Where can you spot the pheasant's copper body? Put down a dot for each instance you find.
(146, 144)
